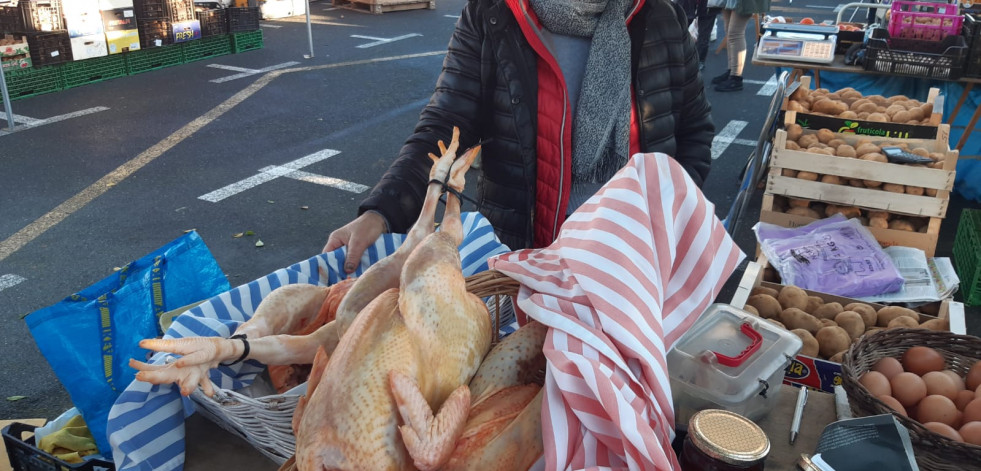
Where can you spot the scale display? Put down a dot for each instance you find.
(798, 43)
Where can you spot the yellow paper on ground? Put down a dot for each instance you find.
(4, 461)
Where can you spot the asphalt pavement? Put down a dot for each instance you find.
(96, 176)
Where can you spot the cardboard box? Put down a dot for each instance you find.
(87, 47)
(184, 31)
(123, 41)
(16, 55)
(867, 199)
(83, 18)
(815, 372)
(120, 19)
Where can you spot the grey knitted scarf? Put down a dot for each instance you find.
(601, 129)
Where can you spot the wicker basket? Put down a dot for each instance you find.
(933, 451)
(265, 420)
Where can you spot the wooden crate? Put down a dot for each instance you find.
(875, 199)
(868, 128)
(383, 6)
(816, 372)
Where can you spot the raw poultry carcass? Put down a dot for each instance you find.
(407, 339)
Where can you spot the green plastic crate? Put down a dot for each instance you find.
(207, 47)
(246, 41)
(967, 255)
(145, 60)
(94, 70)
(25, 83)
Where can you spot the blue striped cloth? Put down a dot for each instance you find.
(146, 423)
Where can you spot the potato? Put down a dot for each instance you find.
(847, 211)
(863, 115)
(880, 223)
(752, 310)
(869, 316)
(848, 114)
(827, 322)
(927, 109)
(794, 131)
(866, 107)
(940, 325)
(798, 203)
(807, 140)
(838, 357)
(813, 302)
(846, 150)
(852, 322)
(915, 114)
(829, 106)
(832, 180)
(825, 135)
(903, 322)
(849, 92)
(894, 187)
(856, 183)
(806, 212)
(794, 105)
(807, 176)
(764, 290)
(810, 348)
(915, 190)
(832, 340)
(822, 150)
(834, 143)
(792, 296)
(788, 172)
(879, 214)
(901, 225)
(828, 311)
(867, 148)
(874, 157)
(891, 110)
(886, 314)
(795, 318)
(777, 323)
(800, 94)
(920, 151)
(791, 145)
(767, 306)
(878, 117)
(901, 116)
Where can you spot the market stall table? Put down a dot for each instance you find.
(838, 65)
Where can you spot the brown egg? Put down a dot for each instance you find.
(908, 388)
(937, 408)
(972, 411)
(958, 380)
(945, 430)
(888, 366)
(893, 404)
(922, 360)
(963, 399)
(973, 379)
(971, 433)
(876, 383)
(939, 383)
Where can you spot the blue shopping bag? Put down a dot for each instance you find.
(89, 337)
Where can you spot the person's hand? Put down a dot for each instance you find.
(357, 235)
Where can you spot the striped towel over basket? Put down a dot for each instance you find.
(631, 271)
(146, 423)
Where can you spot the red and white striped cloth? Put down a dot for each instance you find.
(631, 271)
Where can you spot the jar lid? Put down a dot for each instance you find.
(728, 437)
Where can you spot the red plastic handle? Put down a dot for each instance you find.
(737, 360)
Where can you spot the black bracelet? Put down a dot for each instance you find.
(245, 352)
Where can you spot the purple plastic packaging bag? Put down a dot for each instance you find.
(833, 255)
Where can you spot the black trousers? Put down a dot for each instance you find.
(706, 20)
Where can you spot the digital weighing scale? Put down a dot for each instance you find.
(801, 43)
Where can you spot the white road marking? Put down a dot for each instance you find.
(457, 17)
(744, 142)
(726, 136)
(770, 87)
(287, 170)
(250, 72)
(264, 25)
(230, 67)
(29, 123)
(9, 281)
(318, 179)
(380, 41)
(826, 7)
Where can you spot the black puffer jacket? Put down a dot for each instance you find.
(489, 89)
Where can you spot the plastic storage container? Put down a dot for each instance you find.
(731, 360)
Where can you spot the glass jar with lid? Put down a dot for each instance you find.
(719, 440)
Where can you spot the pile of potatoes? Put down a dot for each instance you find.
(824, 141)
(828, 329)
(868, 217)
(849, 103)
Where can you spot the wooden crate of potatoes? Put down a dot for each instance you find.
(815, 174)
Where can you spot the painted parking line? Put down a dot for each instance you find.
(288, 170)
(264, 25)
(29, 123)
(724, 138)
(769, 87)
(9, 281)
(380, 41)
(244, 72)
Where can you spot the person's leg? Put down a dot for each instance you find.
(706, 22)
(726, 14)
(736, 47)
